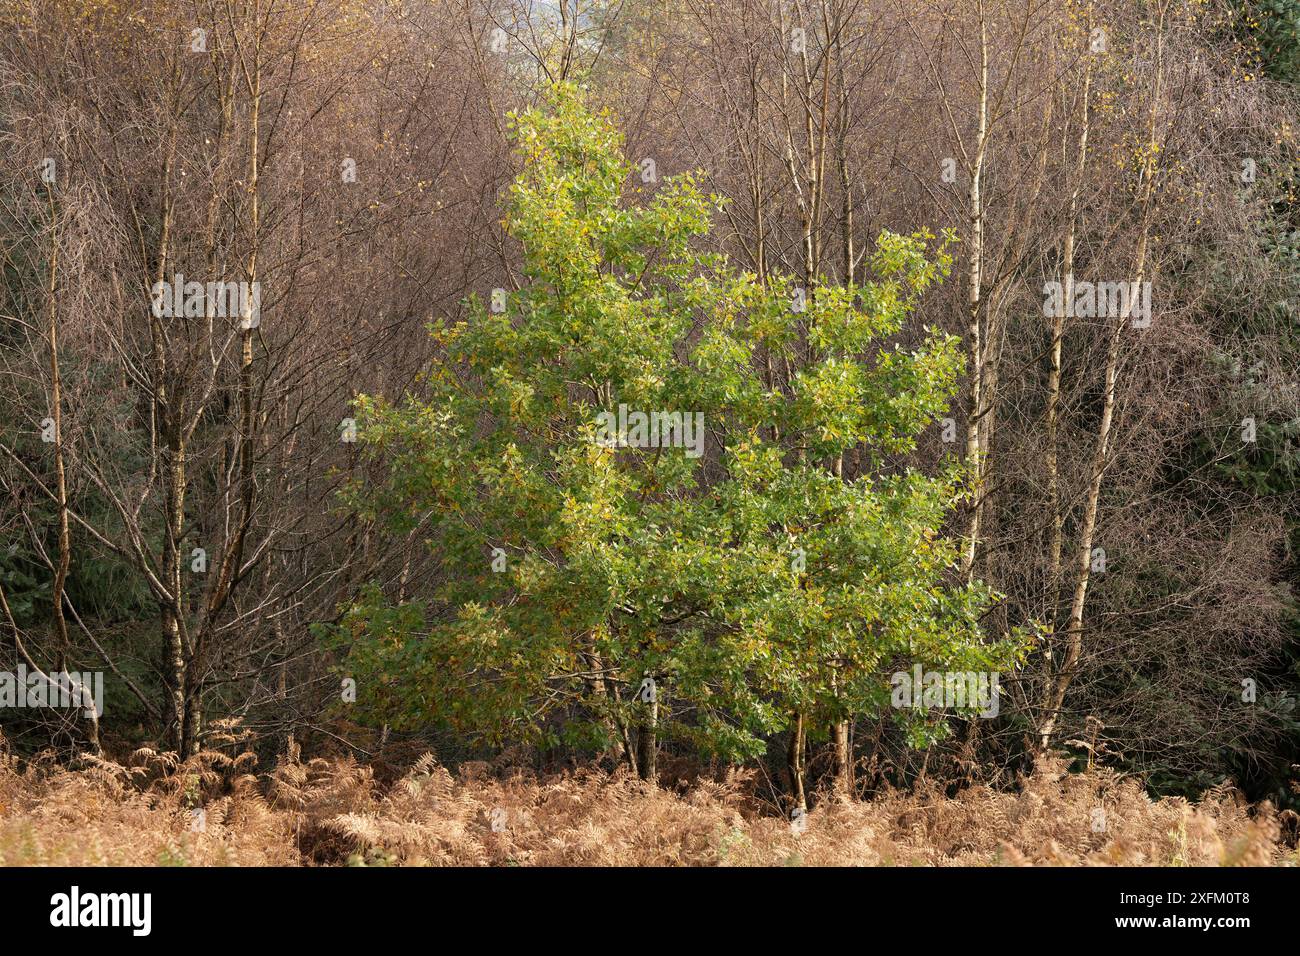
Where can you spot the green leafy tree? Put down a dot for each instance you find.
(762, 564)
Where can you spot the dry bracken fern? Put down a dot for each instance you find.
(333, 812)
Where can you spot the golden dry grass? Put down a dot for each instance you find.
(333, 811)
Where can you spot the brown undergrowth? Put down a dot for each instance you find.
(332, 812)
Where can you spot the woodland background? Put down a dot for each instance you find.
(1170, 153)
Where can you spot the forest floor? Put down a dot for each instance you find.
(213, 810)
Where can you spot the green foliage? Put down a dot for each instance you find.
(1275, 27)
(786, 565)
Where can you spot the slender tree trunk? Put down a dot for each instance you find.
(64, 561)
(975, 279)
(647, 745)
(1057, 544)
(1054, 697)
(230, 571)
(168, 416)
(624, 733)
(843, 758)
(844, 124)
(173, 625)
(615, 727)
(794, 764)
